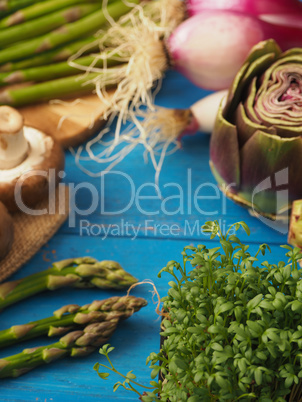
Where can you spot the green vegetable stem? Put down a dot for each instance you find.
(73, 317)
(61, 87)
(52, 56)
(9, 6)
(75, 344)
(68, 32)
(45, 24)
(83, 272)
(37, 10)
(52, 72)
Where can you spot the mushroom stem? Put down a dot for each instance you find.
(13, 145)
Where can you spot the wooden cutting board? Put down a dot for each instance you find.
(71, 122)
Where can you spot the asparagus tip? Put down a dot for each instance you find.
(5, 98)
(14, 77)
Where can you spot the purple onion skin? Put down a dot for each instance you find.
(210, 48)
(253, 7)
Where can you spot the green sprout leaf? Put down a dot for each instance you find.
(103, 375)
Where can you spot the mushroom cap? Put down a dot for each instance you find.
(11, 120)
(6, 231)
(35, 187)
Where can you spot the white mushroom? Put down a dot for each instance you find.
(13, 145)
(27, 156)
(6, 231)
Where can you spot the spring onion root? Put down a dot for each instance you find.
(159, 130)
(137, 39)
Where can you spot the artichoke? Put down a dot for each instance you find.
(256, 146)
(295, 227)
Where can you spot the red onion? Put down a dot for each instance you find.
(253, 7)
(210, 48)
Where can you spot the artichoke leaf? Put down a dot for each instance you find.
(235, 92)
(287, 132)
(255, 69)
(295, 51)
(295, 227)
(263, 157)
(262, 48)
(260, 58)
(225, 150)
(246, 127)
(250, 101)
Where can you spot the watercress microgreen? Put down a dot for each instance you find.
(233, 330)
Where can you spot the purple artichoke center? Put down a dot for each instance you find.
(279, 98)
(294, 91)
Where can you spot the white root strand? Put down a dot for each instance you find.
(136, 40)
(157, 129)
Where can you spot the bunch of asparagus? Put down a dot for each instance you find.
(71, 317)
(37, 38)
(87, 327)
(92, 326)
(83, 272)
(74, 344)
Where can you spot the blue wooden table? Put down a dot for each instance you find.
(143, 239)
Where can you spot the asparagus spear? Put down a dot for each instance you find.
(74, 344)
(83, 272)
(52, 71)
(9, 6)
(62, 87)
(67, 33)
(73, 316)
(37, 10)
(53, 56)
(45, 24)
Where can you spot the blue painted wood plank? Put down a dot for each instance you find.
(188, 197)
